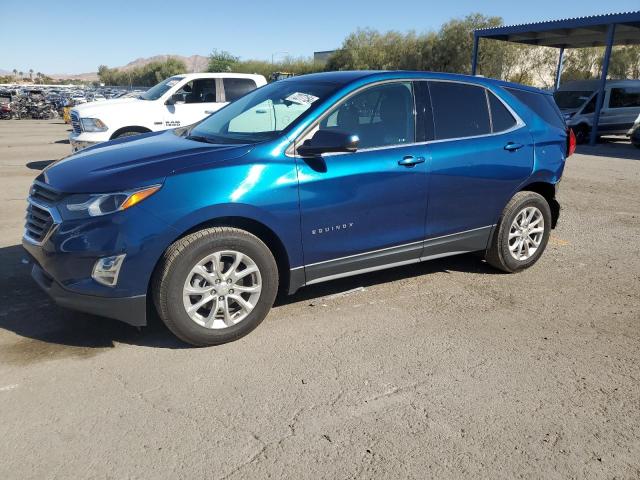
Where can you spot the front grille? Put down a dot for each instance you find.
(44, 193)
(75, 122)
(39, 223)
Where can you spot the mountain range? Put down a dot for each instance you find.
(194, 63)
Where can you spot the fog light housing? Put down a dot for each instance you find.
(107, 269)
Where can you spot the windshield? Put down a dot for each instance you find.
(571, 99)
(263, 114)
(160, 89)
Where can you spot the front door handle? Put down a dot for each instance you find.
(410, 161)
(209, 112)
(512, 147)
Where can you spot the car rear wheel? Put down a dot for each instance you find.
(215, 285)
(582, 134)
(522, 233)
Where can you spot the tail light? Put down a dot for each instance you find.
(571, 142)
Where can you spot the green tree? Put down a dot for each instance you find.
(144, 76)
(221, 61)
(447, 50)
(454, 44)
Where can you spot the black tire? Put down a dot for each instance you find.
(498, 254)
(177, 262)
(582, 133)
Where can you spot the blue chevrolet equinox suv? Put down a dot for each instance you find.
(301, 181)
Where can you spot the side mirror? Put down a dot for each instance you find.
(329, 141)
(173, 99)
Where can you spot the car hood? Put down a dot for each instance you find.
(90, 108)
(133, 162)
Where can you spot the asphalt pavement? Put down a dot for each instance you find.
(447, 369)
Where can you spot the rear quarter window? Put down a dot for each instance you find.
(543, 105)
(501, 118)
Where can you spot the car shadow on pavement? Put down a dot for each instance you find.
(468, 263)
(611, 148)
(40, 164)
(47, 331)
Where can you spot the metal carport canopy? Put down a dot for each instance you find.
(594, 31)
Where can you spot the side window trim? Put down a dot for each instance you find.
(291, 149)
(486, 96)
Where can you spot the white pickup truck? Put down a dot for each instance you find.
(177, 101)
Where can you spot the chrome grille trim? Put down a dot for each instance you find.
(75, 122)
(41, 222)
(41, 192)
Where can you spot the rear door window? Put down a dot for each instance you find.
(235, 88)
(459, 110)
(627, 97)
(542, 104)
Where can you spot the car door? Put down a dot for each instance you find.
(192, 102)
(365, 210)
(480, 155)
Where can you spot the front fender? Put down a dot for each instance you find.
(264, 193)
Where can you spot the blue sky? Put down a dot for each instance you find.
(74, 37)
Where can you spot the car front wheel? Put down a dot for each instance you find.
(522, 233)
(215, 285)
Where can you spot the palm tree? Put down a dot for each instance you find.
(21, 75)
(15, 72)
(31, 74)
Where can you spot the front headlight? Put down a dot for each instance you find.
(95, 205)
(93, 125)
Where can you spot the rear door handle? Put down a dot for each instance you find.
(512, 147)
(410, 161)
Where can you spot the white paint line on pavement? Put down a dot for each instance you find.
(6, 388)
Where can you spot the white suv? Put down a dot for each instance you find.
(177, 101)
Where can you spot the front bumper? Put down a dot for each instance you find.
(82, 140)
(64, 261)
(131, 310)
(77, 145)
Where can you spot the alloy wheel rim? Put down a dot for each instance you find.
(222, 289)
(526, 232)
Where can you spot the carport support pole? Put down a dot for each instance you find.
(474, 55)
(559, 69)
(611, 31)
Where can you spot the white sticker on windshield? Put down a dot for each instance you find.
(301, 98)
(171, 83)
